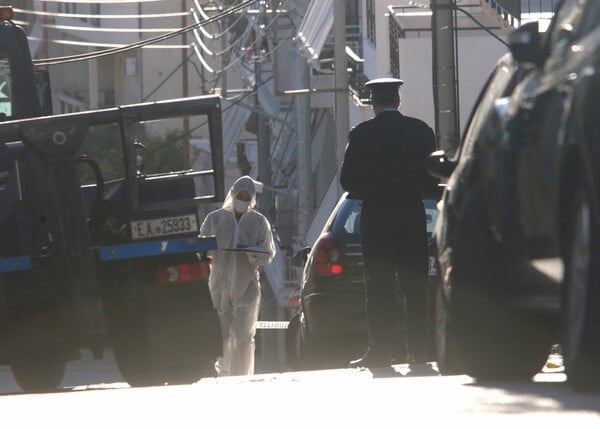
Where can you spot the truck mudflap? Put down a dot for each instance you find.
(20, 263)
(156, 248)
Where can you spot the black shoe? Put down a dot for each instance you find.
(422, 370)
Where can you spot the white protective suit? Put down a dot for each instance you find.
(234, 277)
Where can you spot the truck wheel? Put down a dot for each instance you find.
(38, 375)
(581, 298)
(163, 335)
(131, 349)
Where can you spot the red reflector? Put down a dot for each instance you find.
(336, 269)
(328, 269)
(183, 272)
(293, 302)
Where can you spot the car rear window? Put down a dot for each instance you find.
(347, 220)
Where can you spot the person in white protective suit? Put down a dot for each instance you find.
(234, 277)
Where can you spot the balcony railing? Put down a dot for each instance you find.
(531, 10)
(505, 16)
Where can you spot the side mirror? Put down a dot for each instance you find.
(300, 258)
(525, 44)
(438, 165)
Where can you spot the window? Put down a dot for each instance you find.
(6, 87)
(395, 34)
(352, 224)
(371, 21)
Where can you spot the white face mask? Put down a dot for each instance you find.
(241, 206)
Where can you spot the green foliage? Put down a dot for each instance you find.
(165, 152)
(103, 145)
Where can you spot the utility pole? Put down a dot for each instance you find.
(342, 109)
(303, 159)
(262, 130)
(185, 90)
(444, 74)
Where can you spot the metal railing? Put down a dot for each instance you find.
(503, 14)
(528, 8)
(538, 6)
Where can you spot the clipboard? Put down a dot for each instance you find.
(248, 249)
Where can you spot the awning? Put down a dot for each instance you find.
(315, 28)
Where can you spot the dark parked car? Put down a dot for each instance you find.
(330, 327)
(518, 233)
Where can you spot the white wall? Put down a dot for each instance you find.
(477, 55)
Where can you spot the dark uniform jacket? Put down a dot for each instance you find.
(385, 159)
(384, 165)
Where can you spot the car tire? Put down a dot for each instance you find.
(292, 343)
(307, 348)
(445, 340)
(478, 333)
(581, 295)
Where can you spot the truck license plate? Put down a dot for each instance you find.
(149, 228)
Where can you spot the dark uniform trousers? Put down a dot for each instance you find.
(395, 247)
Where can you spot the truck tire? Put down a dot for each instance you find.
(163, 334)
(581, 295)
(41, 374)
(130, 346)
(144, 364)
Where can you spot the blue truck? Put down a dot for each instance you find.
(99, 219)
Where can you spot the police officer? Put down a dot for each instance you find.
(384, 165)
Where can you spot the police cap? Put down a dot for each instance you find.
(384, 89)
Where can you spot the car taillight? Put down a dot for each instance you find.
(183, 272)
(327, 256)
(294, 298)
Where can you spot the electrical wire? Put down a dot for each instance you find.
(136, 45)
(225, 30)
(232, 104)
(252, 45)
(98, 16)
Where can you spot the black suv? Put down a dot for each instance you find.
(519, 233)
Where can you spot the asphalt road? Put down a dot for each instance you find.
(93, 395)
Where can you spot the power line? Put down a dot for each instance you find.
(136, 45)
(98, 16)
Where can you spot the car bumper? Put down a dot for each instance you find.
(329, 314)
